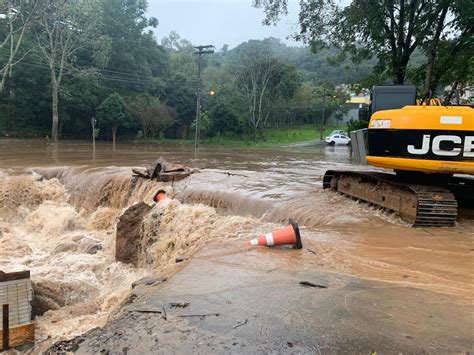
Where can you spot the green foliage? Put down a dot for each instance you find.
(204, 122)
(151, 114)
(388, 30)
(174, 42)
(63, 28)
(112, 112)
(354, 125)
(223, 120)
(310, 67)
(134, 58)
(159, 81)
(181, 95)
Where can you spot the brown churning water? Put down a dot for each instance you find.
(59, 207)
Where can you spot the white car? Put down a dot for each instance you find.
(338, 139)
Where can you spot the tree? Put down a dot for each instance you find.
(152, 115)
(112, 113)
(222, 120)
(134, 59)
(64, 28)
(315, 103)
(176, 43)
(80, 95)
(389, 30)
(283, 85)
(16, 17)
(180, 93)
(449, 51)
(254, 83)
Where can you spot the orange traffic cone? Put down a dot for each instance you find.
(290, 235)
(160, 196)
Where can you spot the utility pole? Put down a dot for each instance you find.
(201, 50)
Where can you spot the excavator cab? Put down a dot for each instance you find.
(391, 97)
(386, 97)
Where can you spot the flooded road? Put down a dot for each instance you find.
(62, 227)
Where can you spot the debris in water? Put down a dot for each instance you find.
(290, 235)
(310, 284)
(161, 170)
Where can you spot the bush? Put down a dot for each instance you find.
(354, 125)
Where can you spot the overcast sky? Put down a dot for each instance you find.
(218, 22)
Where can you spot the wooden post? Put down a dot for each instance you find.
(6, 327)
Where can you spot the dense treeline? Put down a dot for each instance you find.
(64, 65)
(392, 32)
(98, 60)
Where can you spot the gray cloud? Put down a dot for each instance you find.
(218, 22)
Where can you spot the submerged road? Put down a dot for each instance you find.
(231, 298)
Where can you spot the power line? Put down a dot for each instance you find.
(117, 69)
(106, 77)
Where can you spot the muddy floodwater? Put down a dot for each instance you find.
(59, 207)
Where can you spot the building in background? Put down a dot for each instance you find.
(350, 110)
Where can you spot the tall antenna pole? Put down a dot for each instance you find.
(201, 50)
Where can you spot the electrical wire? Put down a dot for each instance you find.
(67, 71)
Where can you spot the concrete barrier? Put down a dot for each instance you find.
(359, 145)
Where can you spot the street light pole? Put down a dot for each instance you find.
(93, 122)
(201, 50)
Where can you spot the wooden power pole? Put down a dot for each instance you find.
(201, 50)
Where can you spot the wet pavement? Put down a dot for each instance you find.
(234, 299)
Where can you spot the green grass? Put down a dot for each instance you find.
(273, 137)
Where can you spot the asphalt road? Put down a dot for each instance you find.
(233, 299)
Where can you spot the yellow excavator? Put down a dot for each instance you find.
(429, 147)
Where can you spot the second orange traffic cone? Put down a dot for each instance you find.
(290, 235)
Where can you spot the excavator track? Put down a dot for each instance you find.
(419, 205)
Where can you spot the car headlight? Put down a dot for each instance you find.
(384, 123)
